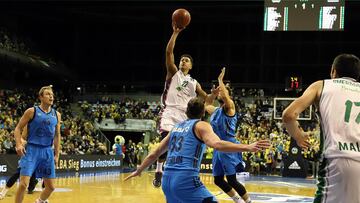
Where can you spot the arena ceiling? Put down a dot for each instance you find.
(124, 41)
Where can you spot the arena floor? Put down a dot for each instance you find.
(109, 187)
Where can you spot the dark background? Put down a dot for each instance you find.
(119, 43)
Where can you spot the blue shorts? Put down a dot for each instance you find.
(225, 163)
(38, 159)
(185, 187)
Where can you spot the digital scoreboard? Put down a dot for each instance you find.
(304, 15)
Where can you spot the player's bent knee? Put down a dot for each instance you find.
(23, 185)
(240, 189)
(221, 183)
(50, 187)
(232, 180)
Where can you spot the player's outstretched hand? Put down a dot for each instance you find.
(221, 76)
(133, 174)
(215, 90)
(176, 29)
(259, 145)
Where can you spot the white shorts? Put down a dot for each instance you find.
(338, 181)
(170, 117)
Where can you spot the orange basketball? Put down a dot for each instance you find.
(181, 17)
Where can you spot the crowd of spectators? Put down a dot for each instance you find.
(11, 42)
(256, 121)
(135, 153)
(78, 135)
(271, 161)
(120, 110)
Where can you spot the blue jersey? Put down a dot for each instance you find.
(185, 150)
(223, 125)
(41, 129)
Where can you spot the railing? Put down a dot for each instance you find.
(104, 139)
(134, 125)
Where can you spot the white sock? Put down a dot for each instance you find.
(159, 166)
(237, 199)
(43, 201)
(248, 200)
(4, 191)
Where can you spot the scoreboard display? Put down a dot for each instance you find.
(304, 15)
(293, 83)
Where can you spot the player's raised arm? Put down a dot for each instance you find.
(224, 93)
(208, 98)
(204, 131)
(171, 68)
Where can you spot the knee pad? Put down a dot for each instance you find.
(163, 156)
(240, 167)
(221, 183)
(32, 184)
(12, 180)
(232, 180)
(240, 189)
(218, 179)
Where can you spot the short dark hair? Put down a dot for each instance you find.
(195, 108)
(347, 65)
(188, 55)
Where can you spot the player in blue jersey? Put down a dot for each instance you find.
(185, 144)
(43, 127)
(224, 120)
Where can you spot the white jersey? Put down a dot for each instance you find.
(338, 181)
(177, 93)
(340, 116)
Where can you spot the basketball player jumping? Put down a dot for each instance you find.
(224, 121)
(179, 89)
(185, 145)
(338, 101)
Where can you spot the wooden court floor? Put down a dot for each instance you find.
(110, 187)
